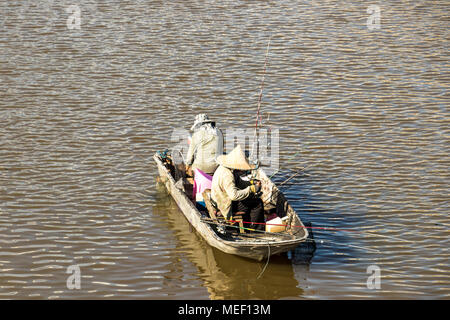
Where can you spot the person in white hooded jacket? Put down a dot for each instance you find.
(206, 145)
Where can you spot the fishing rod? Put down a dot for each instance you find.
(258, 117)
(286, 235)
(289, 160)
(297, 168)
(290, 178)
(306, 240)
(281, 234)
(284, 182)
(326, 229)
(243, 228)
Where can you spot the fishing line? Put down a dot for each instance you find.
(327, 242)
(328, 229)
(267, 262)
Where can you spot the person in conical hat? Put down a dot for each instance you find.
(206, 145)
(231, 194)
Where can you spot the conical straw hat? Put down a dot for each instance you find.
(235, 160)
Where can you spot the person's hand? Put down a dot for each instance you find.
(256, 186)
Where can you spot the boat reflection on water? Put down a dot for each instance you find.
(226, 276)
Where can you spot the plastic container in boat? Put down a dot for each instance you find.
(273, 225)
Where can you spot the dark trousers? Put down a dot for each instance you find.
(254, 211)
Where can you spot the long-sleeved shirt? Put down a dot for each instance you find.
(226, 188)
(204, 149)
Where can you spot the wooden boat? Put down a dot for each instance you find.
(250, 245)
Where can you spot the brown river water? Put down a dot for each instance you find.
(365, 112)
